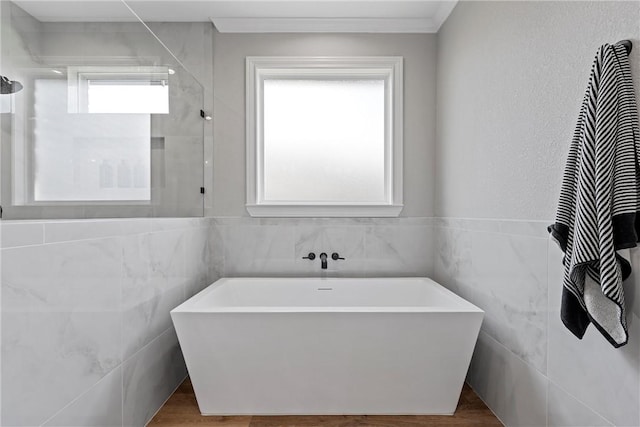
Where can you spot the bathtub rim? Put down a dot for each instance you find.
(461, 305)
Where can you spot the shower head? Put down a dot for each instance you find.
(9, 86)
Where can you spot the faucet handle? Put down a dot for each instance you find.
(311, 256)
(335, 256)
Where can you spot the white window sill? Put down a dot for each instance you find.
(326, 211)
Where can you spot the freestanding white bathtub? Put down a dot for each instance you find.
(327, 346)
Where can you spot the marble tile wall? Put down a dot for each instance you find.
(86, 335)
(244, 246)
(85, 310)
(527, 367)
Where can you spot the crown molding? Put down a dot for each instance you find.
(310, 24)
(326, 25)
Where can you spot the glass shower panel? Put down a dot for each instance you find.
(107, 123)
(194, 43)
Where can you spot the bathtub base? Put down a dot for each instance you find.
(327, 363)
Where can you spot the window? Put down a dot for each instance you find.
(118, 90)
(127, 96)
(324, 136)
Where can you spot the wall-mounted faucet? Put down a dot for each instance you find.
(323, 260)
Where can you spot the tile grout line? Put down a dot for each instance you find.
(5, 248)
(501, 233)
(122, 395)
(485, 404)
(131, 357)
(515, 355)
(580, 402)
(44, 240)
(80, 395)
(547, 334)
(546, 402)
(528, 365)
(122, 274)
(147, 344)
(163, 403)
(111, 236)
(546, 221)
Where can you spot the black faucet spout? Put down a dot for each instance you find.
(323, 260)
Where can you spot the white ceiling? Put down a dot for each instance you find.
(404, 16)
(77, 11)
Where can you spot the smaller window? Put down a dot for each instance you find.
(127, 96)
(118, 90)
(324, 136)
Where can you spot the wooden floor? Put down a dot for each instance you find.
(181, 410)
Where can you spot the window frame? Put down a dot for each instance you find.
(260, 68)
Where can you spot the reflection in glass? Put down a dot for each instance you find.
(324, 140)
(88, 157)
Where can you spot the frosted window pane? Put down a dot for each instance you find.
(127, 97)
(88, 157)
(324, 140)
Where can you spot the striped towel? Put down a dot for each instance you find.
(599, 200)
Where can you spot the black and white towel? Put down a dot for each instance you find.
(599, 208)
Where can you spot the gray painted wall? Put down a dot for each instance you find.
(230, 50)
(511, 76)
